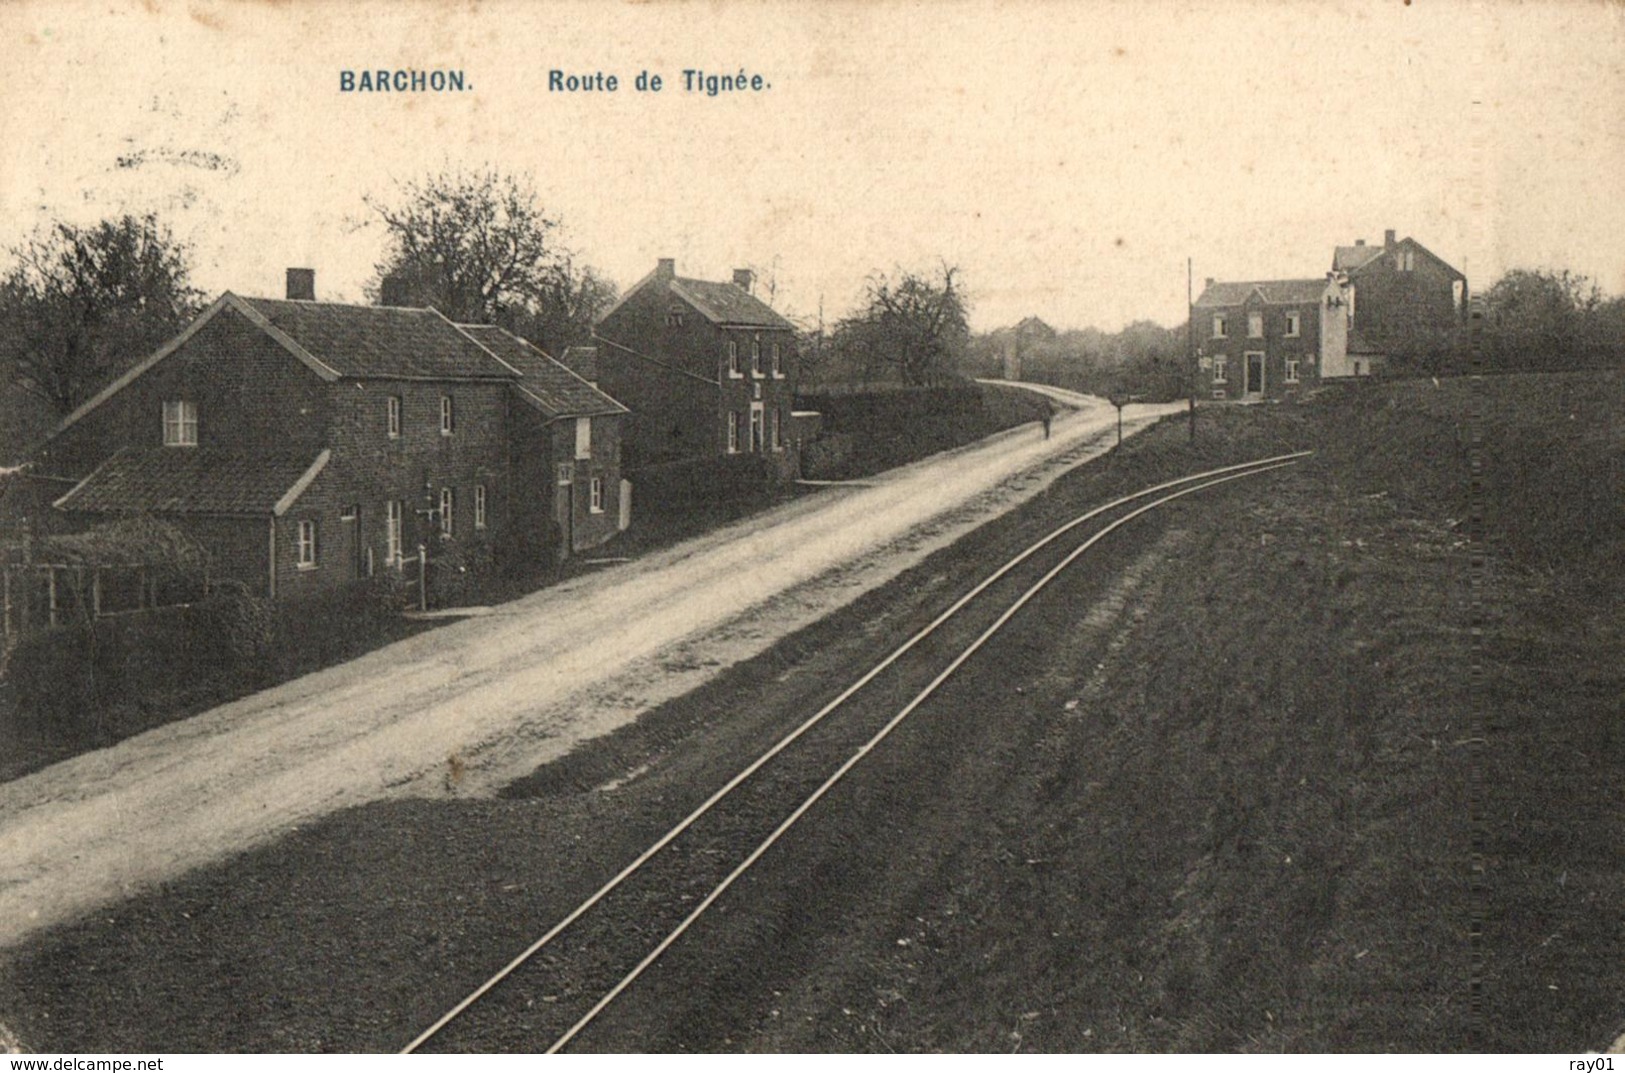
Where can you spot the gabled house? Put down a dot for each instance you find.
(572, 446)
(1271, 339)
(1405, 303)
(707, 369)
(309, 443)
(1267, 338)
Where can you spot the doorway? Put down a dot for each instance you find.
(1255, 373)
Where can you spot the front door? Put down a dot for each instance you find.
(1255, 373)
(566, 507)
(351, 550)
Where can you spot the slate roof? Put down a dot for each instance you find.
(544, 383)
(190, 480)
(728, 304)
(1276, 292)
(1348, 258)
(381, 341)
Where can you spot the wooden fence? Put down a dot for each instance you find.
(39, 596)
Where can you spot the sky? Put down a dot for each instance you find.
(1067, 157)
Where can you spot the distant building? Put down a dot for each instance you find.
(1014, 343)
(308, 443)
(707, 369)
(1267, 339)
(1405, 303)
(1275, 338)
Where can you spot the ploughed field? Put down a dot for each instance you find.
(1231, 783)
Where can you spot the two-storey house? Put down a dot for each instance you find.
(707, 370)
(1263, 339)
(308, 443)
(1378, 304)
(1405, 304)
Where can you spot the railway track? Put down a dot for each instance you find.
(554, 990)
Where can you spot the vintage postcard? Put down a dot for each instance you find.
(811, 527)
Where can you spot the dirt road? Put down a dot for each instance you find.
(467, 708)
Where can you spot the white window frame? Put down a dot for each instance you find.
(394, 531)
(734, 370)
(777, 434)
(1292, 370)
(733, 432)
(448, 512)
(180, 423)
(564, 474)
(479, 506)
(1294, 324)
(305, 549)
(394, 417)
(778, 362)
(1219, 363)
(595, 495)
(756, 357)
(1255, 319)
(583, 437)
(448, 416)
(1219, 326)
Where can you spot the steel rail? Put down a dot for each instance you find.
(1240, 469)
(864, 750)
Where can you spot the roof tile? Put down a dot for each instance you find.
(728, 303)
(381, 341)
(546, 384)
(189, 480)
(1276, 292)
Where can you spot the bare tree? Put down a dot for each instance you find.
(80, 305)
(564, 312)
(479, 247)
(915, 326)
(467, 243)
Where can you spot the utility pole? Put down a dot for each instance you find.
(1190, 344)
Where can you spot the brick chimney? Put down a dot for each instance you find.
(1388, 239)
(393, 291)
(301, 284)
(666, 268)
(1209, 283)
(743, 278)
(1359, 242)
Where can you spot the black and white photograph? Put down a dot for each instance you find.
(812, 526)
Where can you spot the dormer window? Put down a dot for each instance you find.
(180, 424)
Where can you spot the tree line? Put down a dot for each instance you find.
(80, 304)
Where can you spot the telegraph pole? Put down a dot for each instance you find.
(1190, 344)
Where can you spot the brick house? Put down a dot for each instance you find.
(308, 443)
(572, 445)
(1266, 339)
(707, 369)
(1405, 303)
(1275, 338)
